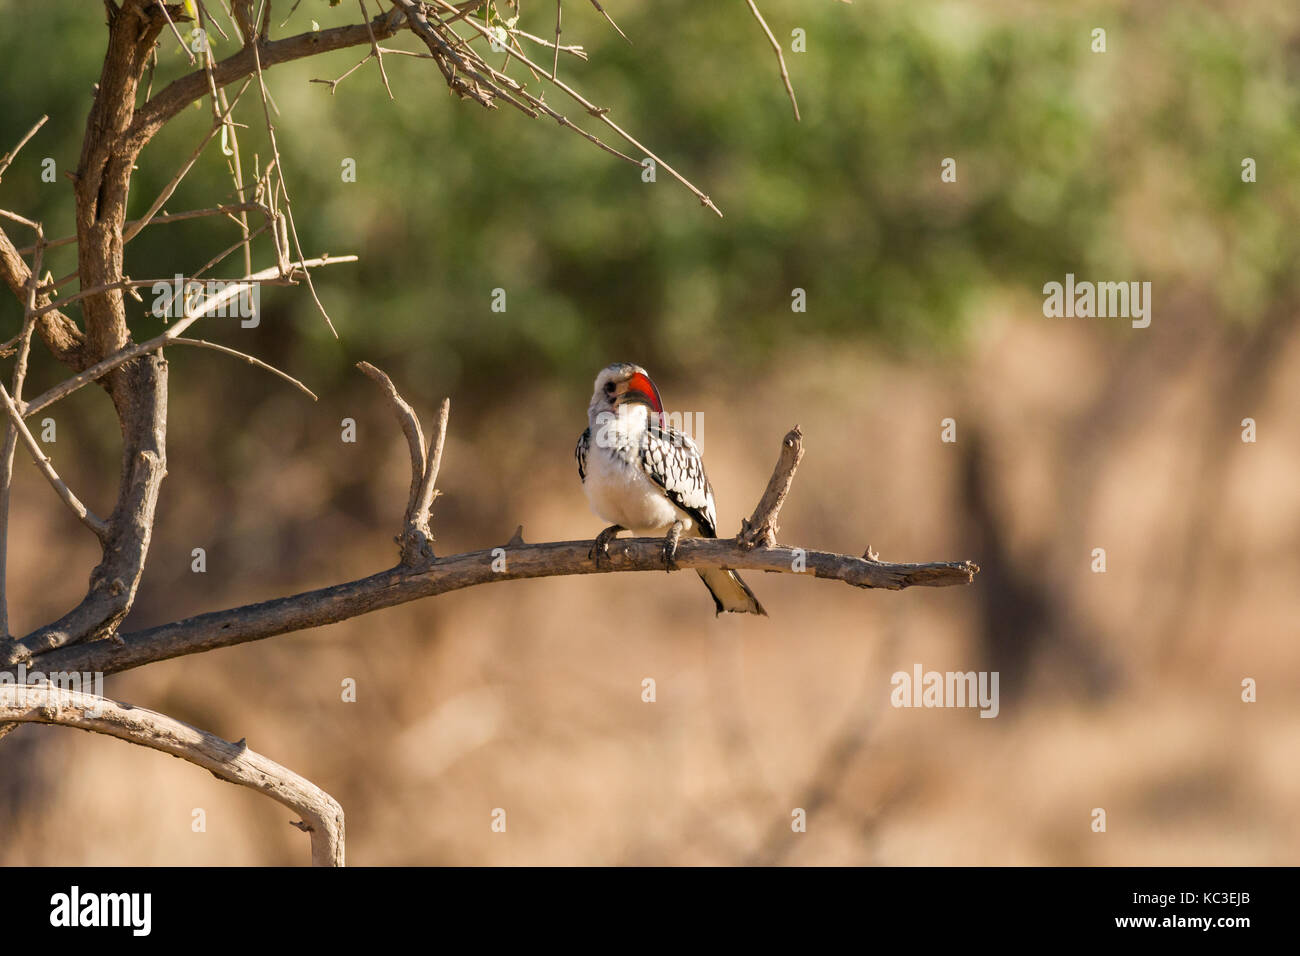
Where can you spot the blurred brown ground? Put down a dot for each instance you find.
(1119, 690)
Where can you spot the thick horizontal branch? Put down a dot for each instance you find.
(329, 605)
(321, 814)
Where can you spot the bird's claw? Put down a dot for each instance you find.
(599, 552)
(670, 548)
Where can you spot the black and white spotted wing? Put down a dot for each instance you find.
(584, 446)
(673, 462)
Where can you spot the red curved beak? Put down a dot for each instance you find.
(640, 388)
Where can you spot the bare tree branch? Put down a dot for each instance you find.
(180, 93)
(600, 114)
(601, 10)
(60, 334)
(209, 305)
(405, 583)
(374, 46)
(284, 186)
(135, 378)
(10, 156)
(132, 229)
(340, 602)
(103, 177)
(125, 543)
(11, 429)
(759, 531)
(235, 763)
(780, 57)
(177, 33)
(250, 359)
(84, 514)
(416, 539)
(410, 424)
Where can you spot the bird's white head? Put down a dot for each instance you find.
(625, 389)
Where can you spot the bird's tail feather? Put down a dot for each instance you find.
(730, 592)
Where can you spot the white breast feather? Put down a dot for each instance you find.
(620, 493)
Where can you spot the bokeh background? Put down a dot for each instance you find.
(1119, 690)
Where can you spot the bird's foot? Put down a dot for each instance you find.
(673, 536)
(600, 547)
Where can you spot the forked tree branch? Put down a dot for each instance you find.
(416, 539)
(404, 583)
(322, 816)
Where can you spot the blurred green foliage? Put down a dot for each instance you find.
(1124, 164)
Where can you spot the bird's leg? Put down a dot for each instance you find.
(673, 536)
(600, 547)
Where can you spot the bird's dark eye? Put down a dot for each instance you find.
(609, 388)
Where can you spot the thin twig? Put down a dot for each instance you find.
(210, 304)
(242, 241)
(555, 64)
(251, 360)
(374, 46)
(10, 430)
(26, 222)
(575, 50)
(410, 425)
(179, 39)
(210, 19)
(591, 108)
(780, 57)
(284, 186)
(220, 110)
(9, 157)
(158, 220)
(132, 229)
(333, 84)
(596, 4)
(427, 490)
(84, 514)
